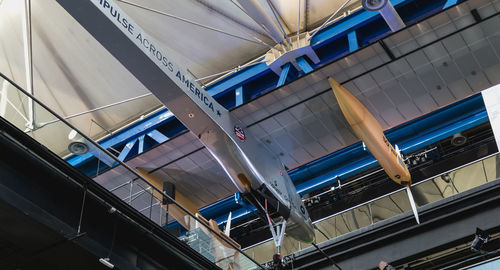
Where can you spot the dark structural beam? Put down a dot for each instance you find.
(445, 224)
(54, 217)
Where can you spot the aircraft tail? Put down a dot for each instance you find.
(413, 204)
(227, 231)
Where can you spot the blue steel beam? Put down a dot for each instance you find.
(237, 215)
(227, 204)
(449, 3)
(127, 134)
(244, 76)
(126, 150)
(464, 108)
(238, 96)
(141, 145)
(348, 24)
(353, 41)
(428, 139)
(410, 136)
(304, 65)
(284, 74)
(237, 78)
(362, 164)
(405, 146)
(157, 136)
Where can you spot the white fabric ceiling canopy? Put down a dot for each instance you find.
(73, 73)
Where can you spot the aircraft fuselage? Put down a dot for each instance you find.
(368, 129)
(251, 166)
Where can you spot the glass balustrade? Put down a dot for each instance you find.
(431, 190)
(63, 139)
(59, 136)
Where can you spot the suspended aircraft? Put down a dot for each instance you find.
(368, 129)
(256, 171)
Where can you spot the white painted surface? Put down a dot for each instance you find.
(491, 97)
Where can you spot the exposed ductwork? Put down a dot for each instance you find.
(374, 5)
(458, 139)
(387, 11)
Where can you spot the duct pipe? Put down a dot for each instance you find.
(28, 61)
(387, 11)
(255, 10)
(392, 17)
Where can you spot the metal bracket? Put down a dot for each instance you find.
(277, 230)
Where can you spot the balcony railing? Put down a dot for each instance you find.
(62, 138)
(393, 204)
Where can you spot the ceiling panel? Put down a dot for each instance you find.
(430, 78)
(73, 73)
(314, 126)
(315, 104)
(466, 63)
(285, 118)
(300, 134)
(392, 116)
(302, 121)
(492, 74)
(417, 60)
(412, 85)
(409, 110)
(399, 67)
(485, 55)
(435, 51)
(448, 70)
(478, 81)
(315, 149)
(460, 88)
(453, 43)
(364, 82)
(425, 103)
(396, 93)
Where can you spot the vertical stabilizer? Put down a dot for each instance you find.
(413, 204)
(227, 231)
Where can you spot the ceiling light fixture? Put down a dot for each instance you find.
(106, 262)
(480, 239)
(77, 143)
(373, 5)
(458, 139)
(446, 177)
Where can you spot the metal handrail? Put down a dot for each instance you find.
(389, 194)
(127, 167)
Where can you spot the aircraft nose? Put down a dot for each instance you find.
(302, 234)
(302, 231)
(353, 110)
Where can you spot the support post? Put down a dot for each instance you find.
(239, 95)
(81, 210)
(131, 188)
(3, 98)
(284, 75)
(157, 136)
(141, 145)
(392, 17)
(304, 65)
(449, 3)
(28, 61)
(126, 150)
(353, 41)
